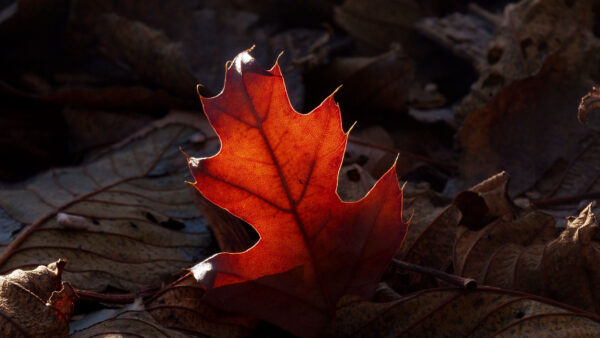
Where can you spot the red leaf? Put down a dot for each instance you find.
(278, 170)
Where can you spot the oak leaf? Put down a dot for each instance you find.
(278, 170)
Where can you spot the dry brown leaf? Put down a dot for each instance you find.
(379, 83)
(588, 103)
(302, 49)
(575, 181)
(92, 129)
(35, 303)
(146, 51)
(370, 149)
(519, 114)
(131, 323)
(379, 22)
(526, 128)
(451, 312)
(354, 182)
(126, 220)
(229, 231)
(434, 224)
(465, 35)
(520, 250)
(531, 32)
(180, 306)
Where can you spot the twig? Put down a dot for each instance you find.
(467, 283)
(115, 298)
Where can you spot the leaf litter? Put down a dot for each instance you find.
(503, 78)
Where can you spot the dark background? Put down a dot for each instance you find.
(438, 76)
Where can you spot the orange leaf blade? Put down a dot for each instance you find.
(278, 170)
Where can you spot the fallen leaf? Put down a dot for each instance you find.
(525, 129)
(377, 84)
(380, 22)
(530, 33)
(125, 220)
(452, 312)
(148, 53)
(464, 34)
(434, 225)
(180, 306)
(354, 183)
(588, 102)
(278, 170)
(521, 251)
(302, 48)
(230, 232)
(92, 129)
(370, 148)
(35, 303)
(575, 181)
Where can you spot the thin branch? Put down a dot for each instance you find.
(467, 283)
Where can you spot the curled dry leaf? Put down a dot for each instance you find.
(35, 303)
(451, 312)
(521, 251)
(433, 228)
(126, 220)
(589, 102)
(278, 170)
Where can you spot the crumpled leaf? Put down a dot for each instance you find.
(529, 34)
(278, 171)
(35, 303)
(521, 251)
(126, 220)
(452, 312)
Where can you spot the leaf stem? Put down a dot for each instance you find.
(467, 283)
